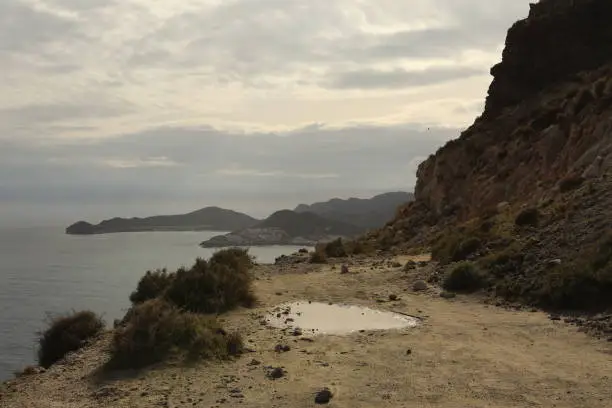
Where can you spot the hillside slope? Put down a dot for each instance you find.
(543, 148)
(286, 227)
(364, 212)
(209, 218)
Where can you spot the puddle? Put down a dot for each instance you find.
(322, 318)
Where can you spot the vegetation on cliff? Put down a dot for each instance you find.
(67, 333)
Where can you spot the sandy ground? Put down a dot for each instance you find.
(465, 354)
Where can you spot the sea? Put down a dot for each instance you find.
(44, 272)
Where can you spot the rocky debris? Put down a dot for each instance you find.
(344, 269)
(393, 297)
(324, 396)
(282, 348)
(31, 370)
(297, 332)
(419, 286)
(254, 362)
(293, 259)
(410, 265)
(109, 392)
(448, 295)
(274, 373)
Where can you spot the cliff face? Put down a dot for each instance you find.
(525, 194)
(547, 116)
(559, 39)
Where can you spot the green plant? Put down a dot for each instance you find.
(157, 330)
(527, 217)
(318, 257)
(216, 286)
(236, 258)
(455, 246)
(153, 284)
(464, 277)
(67, 333)
(335, 249)
(585, 283)
(570, 183)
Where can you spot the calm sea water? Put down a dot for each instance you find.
(46, 271)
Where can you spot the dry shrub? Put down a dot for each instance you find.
(67, 333)
(158, 330)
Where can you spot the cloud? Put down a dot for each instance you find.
(400, 78)
(24, 27)
(252, 104)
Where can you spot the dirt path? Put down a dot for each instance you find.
(465, 354)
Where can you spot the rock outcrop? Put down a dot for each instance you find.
(547, 115)
(544, 143)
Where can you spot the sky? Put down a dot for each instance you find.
(141, 107)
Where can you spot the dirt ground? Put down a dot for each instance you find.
(465, 354)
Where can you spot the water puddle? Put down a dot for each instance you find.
(322, 318)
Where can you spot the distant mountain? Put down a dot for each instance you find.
(363, 212)
(286, 227)
(205, 219)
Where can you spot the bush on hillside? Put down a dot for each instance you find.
(455, 247)
(67, 333)
(157, 330)
(236, 258)
(527, 217)
(318, 257)
(464, 277)
(584, 284)
(214, 286)
(153, 284)
(570, 183)
(335, 249)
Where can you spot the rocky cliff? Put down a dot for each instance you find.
(547, 115)
(543, 144)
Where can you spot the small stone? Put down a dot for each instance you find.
(393, 297)
(282, 348)
(275, 373)
(254, 362)
(448, 295)
(297, 331)
(344, 269)
(408, 352)
(323, 396)
(555, 317)
(419, 286)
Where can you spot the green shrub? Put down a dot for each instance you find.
(584, 284)
(157, 330)
(576, 286)
(235, 258)
(67, 333)
(464, 277)
(335, 249)
(527, 217)
(570, 183)
(318, 257)
(455, 247)
(216, 286)
(153, 284)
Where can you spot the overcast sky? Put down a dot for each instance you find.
(137, 107)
